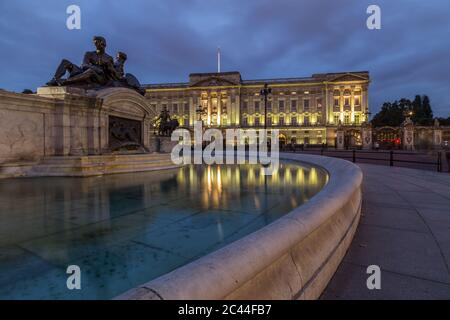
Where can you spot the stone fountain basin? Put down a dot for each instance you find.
(291, 258)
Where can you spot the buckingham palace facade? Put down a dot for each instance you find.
(306, 110)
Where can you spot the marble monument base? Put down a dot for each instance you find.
(85, 166)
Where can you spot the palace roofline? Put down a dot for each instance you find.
(317, 77)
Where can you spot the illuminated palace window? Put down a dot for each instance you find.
(294, 106)
(256, 106)
(319, 119)
(244, 106)
(336, 119)
(281, 106)
(319, 104)
(357, 103)
(347, 102)
(346, 119)
(269, 106)
(336, 104)
(224, 105)
(347, 95)
(281, 121)
(175, 108)
(357, 119)
(294, 121)
(186, 108)
(306, 105)
(245, 121)
(257, 121)
(269, 120)
(306, 121)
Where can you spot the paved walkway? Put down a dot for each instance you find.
(404, 229)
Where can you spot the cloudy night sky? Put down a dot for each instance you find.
(167, 39)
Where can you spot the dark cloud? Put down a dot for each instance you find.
(168, 39)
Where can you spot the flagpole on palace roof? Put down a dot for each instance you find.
(218, 59)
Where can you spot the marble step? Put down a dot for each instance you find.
(100, 165)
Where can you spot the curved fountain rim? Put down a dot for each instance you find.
(236, 261)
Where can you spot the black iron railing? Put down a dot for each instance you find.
(387, 157)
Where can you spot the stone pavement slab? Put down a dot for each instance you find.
(405, 230)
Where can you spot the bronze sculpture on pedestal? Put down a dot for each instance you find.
(166, 125)
(97, 71)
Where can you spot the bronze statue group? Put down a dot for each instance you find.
(98, 70)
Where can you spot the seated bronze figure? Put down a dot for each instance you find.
(97, 71)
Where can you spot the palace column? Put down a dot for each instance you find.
(229, 110)
(325, 112)
(192, 110)
(365, 101)
(219, 108)
(237, 109)
(330, 106)
(208, 119)
(352, 105)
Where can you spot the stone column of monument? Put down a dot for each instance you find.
(146, 130)
(62, 129)
(76, 132)
(408, 135)
(74, 120)
(93, 129)
(367, 136)
(104, 133)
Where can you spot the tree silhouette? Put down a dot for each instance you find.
(393, 114)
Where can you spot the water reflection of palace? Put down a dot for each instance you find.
(217, 185)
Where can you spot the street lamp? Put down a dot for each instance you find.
(408, 113)
(266, 91)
